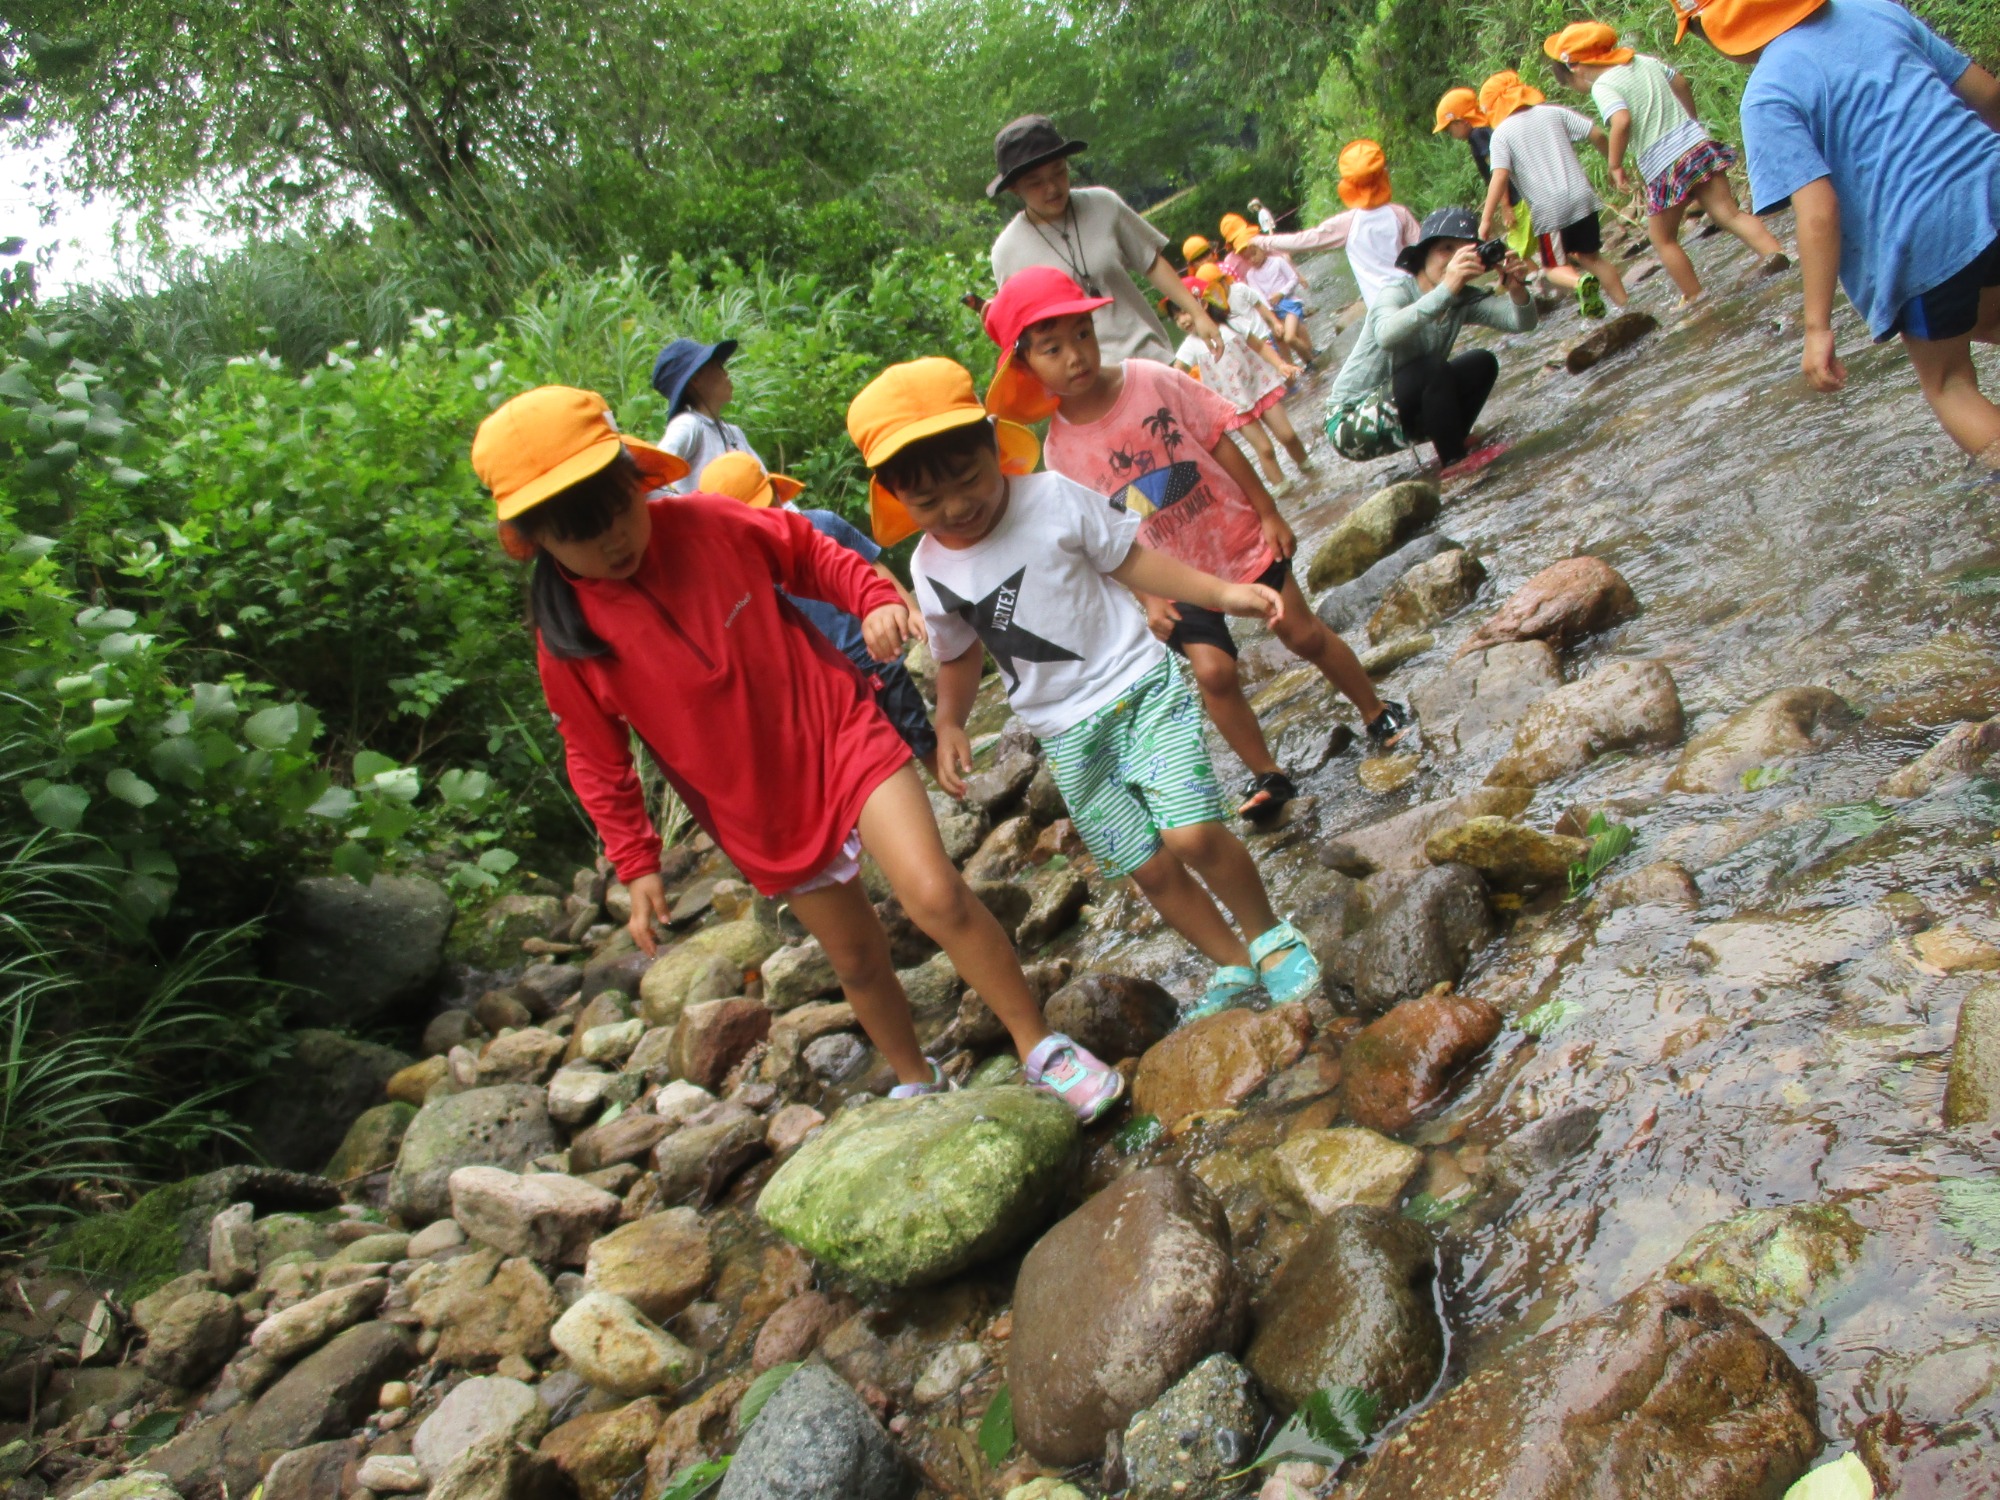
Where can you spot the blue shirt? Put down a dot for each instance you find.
(1860, 91)
(836, 624)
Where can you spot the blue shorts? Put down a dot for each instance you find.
(897, 695)
(1949, 310)
(1289, 307)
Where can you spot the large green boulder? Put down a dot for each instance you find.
(1371, 531)
(908, 1191)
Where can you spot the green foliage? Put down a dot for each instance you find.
(1330, 1428)
(1546, 1017)
(996, 1428)
(1855, 820)
(762, 1389)
(151, 1431)
(693, 1483)
(1608, 841)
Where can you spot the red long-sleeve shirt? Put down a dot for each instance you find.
(769, 734)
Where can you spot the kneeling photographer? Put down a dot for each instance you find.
(1401, 384)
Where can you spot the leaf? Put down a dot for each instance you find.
(1546, 1017)
(762, 1389)
(17, 1458)
(335, 802)
(273, 728)
(59, 804)
(1137, 1133)
(399, 785)
(1426, 1208)
(214, 703)
(128, 786)
(368, 764)
(1329, 1429)
(1854, 820)
(463, 788)
(150, 1431)
(996, 1428)
(1758, 777)
(1846, 1478)
(96, 1332)
(90, 739)
(98, 621)
(498, 861)
(355, 862)
(690, 1484)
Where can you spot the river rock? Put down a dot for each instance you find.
(529, 1055)
(495, 1468)
(414, 1084)
(600, 1451)
(1964, 749)
(1114, 1015)
(482, 1407)
(1404, 1062)
(1607, 339)
(1429, 592)
(615, 1347)
(1768, 1260)
(627, 1138)
(1561, 605)
(715, 1035)
(816, 1439)
(577, 1093)
(1356, 1304)
(1792, 721)
(485, 1307)
(611, 1043)
(1004, 851)
(793, 1032)
(1218, 1061)
(798, 973)
(362, 953)
(392, 1474)
(1395, 844)
(1508, 856)
(1972, 1090)
(998, 790)
(1474, 706)
(191, 1338)
(1373, 530)
(496, 935)
(1327, 1169)
(1623, 705)
(962, 832)
(371, 1142)
(137, 1484)
(504, 1126)
(1348, 606)
(545, 1216)
(795, 1329)
(659, 1263)
(300, 1112)
(698, 1161)
(1114, 1305)
(741, 945)
(1188, 1444)
(1059, 896)
(1953, 948)
(909, 1191)
(1667, 1392)
(291, 1331)
(1424, 936)
(1662, 883)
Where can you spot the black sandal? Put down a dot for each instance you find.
(1265, 796)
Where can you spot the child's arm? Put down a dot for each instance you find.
(1495, 205)
(1981, 90)
(1684, 91)
(1168, 282)
(1621, 135)
(957, 686)
(1145, 571)
(1237, 467)
(810, 566)
(1816, 220)
(1282, 366)
(1330, 234)
(1599, 139)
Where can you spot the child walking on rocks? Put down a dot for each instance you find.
(1157, 442)
(660, 616)
(1029, 567)
(1252, 383)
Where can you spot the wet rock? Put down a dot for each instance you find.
(301, 1112)
(492, 1013)
(1424, 936)
(610, 1044)
(1955, 949)
(1114, 1305)
(485, 1406)
(529, 1055)
(996, 792)
(1607, 339)
(1790, 722)
(1327, 1169)
(949, 1371)
(371, 1142)
(362, 953)
(1004, 851)
(1008, 901)
(1662, 883)
(484, 1307)
(1395, 845)
(816, 1438)
(791, 1125)
(1044, 799)
(1356, 1304)
(962, 833)
(1508, 856)
(138, 1484)
(1561, 605)
(1404, 1062)
(794, 1330)
(659, 1263)
(615, 1347)
(1347, 607)
(715, 1035)
(287, 1334)
(504, 1126)
(1383, 774)
(495, 1468)
(598, 1452)
(1623, 705)
(628, 1138)
(1665, 1393)
(698, 1161)
(576, 1094)
(740, 946)
(908, 1191)
(1114, 1015)
(1964, 749)
(547, 1216)
(1186, 1445)
(496, 935)
(1474, 706)
(798, 973)
(448, 1029)
(191, 1338)
(1058, 899)
(1380, 661)
(1218, 1061)
(1429, 592)
(391, 1474)
(1371, 531)
(695, 1433)
(1972, 1091)
(1544, 1144)
(1770, 1259)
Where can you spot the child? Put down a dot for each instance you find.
(1157, 442)
(1374, 230)
(1196, 252)
(1028, 568)
(1267, 222)
(695, 380)
(1251, 386)
(1649, 110)
(741, 477)
(1272, 276)
(1533, 148)
(1248, 311)
(1883, 136)
(659, 616)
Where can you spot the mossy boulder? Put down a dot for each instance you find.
(372, 1142)
(1372, 530)
(1768, 1260)
(663, 993)
(910, 1191)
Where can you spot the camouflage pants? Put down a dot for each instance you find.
(1367, 429)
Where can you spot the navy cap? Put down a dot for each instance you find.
(1448, 223)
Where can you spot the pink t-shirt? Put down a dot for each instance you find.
(1151, 454)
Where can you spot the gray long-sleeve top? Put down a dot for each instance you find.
(1406, 323)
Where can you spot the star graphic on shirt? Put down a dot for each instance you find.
(992, 620)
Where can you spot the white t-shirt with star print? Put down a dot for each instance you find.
(1036, 591)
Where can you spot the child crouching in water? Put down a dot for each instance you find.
(1252, 380)
(1035, 569)
(1158, 443)
(660, 616)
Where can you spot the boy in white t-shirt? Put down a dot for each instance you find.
(1038, 571)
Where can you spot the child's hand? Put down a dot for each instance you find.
(888, 628)
(1208, 333)
(1278, 536)
(1161, 616)
(954, 759)
(1824, 371)
(1252, 601)
(1289, 370)
(1621, 179)
(649, 905)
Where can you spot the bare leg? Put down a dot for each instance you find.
(1607, 274)
(1189, 910)
(1565, 277)
(1278, 422)
(1664, 230)
(1218, 856)
(1305, 635)
(898, 828)
(1260, 444)
(1222, 695)
(1298, 338)
(850, 932)
(1718, 200)
(1951, 384)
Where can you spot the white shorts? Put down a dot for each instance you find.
(842, 868)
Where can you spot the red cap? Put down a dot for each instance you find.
(1029, 297)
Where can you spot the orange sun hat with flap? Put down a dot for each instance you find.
(1029, 297)
(1590, 43)
(545, 440)
(1229, 224)
(1504, 93)
(1459, 104)
(1364, 175)
(909, 402)
(1736, 27)
(741, 477)
(1194, 247)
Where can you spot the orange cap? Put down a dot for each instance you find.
(1737, 27)
(1458, 104)
(741, 477)
(1241, 235)
(1194, 247)
(1212, 275)
(1364, 175)
(1228, 224)
(1504, 93)
(909, 402)
(545, 440)
(1591, 43)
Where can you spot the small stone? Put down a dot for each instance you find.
(616, 1348)
(434, 1239)
(652, 1059)
(1382, 774)
(817, 1438)
(628, 1138)
(701, 1159)
(1430, 592)
(798, 973)
(1622, 705)
(1190, 1444)
(413, 1085)
(1972, 1089)
(794, 1330)
(792, 1126)
(576, 1094)
(484, 1307)
(598, 1452)
(1508, 855)
(1324, 1169)
(679, 1100)
(306, 1325)
(232, 1247)
(395, 1395)
(1004, 851)
(529, 1055)
(1607, 339)
(612, 1044)
(547, 1217)
(482, 1407)
(192, 1339)
(371, 1142)
(506, 1126)
(1058, 898)
(737, 948)
(1404, 1062)
(392, 1474)
(951, 1368)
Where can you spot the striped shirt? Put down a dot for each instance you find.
(1662, 130)
(1534, 147)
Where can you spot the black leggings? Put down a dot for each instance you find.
(1439, 399)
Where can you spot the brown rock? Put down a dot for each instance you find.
(495, 1011)
(484, 1308)
(1607, 339)
(794, 1330)
(699, 1431)
(628, 1138)
(1404, 1062)
(413, 1084)
(1003, 851)
(1060, 837)
(793, 1032)
(698, 1161)
(600, 1451)
(1789, 722)
(791, 1126)
(659, 1263)
(1433, 590)
(1218, 1061)
(1623, 705)
(525, 1056)
(1114, 1015)
(715, 1035)
(1561, 605)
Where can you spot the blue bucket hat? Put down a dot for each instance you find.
(677, 363)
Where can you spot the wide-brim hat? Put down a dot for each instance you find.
(1737, 27)
(675, 365)
(1028, 297)
(1364, 175)
(1504, 93)
(912, 401)
(1025, 143)
(1448, 223)
(741, 477)
(1590, 43)
(545, 440)
(1459, 104)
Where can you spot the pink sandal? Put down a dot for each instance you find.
(1084, 1082)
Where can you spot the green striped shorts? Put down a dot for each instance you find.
(1136, 766)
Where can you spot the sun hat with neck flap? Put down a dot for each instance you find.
(678, 363)
(1589, 43)
(1459, 104)
(1737, 27)
(543, 441)
(1024, 144)
(741, 477)
(912, 401)
(1504, 93)
(1364, 175)
(1029, 297)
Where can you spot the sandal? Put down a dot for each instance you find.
(1589, 296)
(1386, 729)
(1081, 1080)
(1226, 989)
(1296, 971)
(939, 1084)
(1265, 796)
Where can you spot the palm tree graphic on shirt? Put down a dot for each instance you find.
(1156, 488)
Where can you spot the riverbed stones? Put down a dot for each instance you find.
(1348, 606)
(1667, 1392)
(741, 945)
(1404, 1062)
(1607, 339)
(1770, 1260)
(1661, 883)
(191, 1338)
(715, 1035)
(1561, 605)
(1623, 705)
(529, 1055)
(292, 1331)
(1188, 1444)
(659, 1263)
(1424, 936)
(138, 1484)
(1972, 1090)
(1473, 706)
(1395, 845)
(627, 1138)
(615, 1347)
(371, 1142)
(1371, 531)
(599, 1451)
(1790, 722)
(484, 1406)
(1508, 856)
(1328, 1169)
(1218, 1061)
(504, 1126)
(546, 1216)
(361, 953)
(815, 1438)
(485, 1307)
(797, 973)
(1966, 748)
(1356, 1304)
(1431, 591)
(905, 1192)
(1058, 897)
(1113, 1015)
(1115, 1304)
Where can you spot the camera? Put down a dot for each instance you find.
(1491, 253)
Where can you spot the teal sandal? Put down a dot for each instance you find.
(1226, 989)
(1296, 972)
